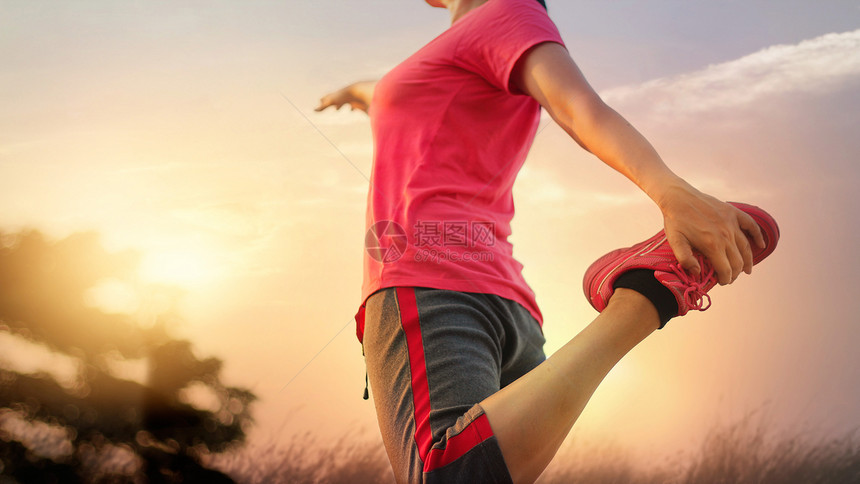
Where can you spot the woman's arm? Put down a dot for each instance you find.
(357, 95)
(693, 220)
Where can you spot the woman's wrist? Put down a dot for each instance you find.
(664, 189)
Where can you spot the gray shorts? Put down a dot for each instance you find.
(432, 355)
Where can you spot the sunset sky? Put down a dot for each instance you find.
(186, 130)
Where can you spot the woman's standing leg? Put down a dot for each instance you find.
(432, 355)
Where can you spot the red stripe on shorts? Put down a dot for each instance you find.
(418, 368)
(477, 432)
(359, 322)
(458, 445)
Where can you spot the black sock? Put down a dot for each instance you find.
(644, 282)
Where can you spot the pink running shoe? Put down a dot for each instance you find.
(690, 291)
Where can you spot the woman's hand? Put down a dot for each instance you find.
(357, 95)
(719, 231)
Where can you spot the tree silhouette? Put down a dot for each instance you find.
(149, 426)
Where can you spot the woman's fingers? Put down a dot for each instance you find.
(747, 233)
(683, 252)
(325, 102)
(723, 261)
(743, 244)
(751, 228)
(339, 102)
(737, 258)
(336, 99)
(728, 250)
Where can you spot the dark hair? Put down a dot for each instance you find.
(543, 3)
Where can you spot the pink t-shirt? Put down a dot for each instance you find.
(450, 134)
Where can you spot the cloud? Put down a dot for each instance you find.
(816, 65)
(543, 188)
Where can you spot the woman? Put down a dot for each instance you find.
(450, 329)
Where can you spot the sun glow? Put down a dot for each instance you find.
(185, 267)
(113, 296)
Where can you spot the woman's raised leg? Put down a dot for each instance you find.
(532, 416)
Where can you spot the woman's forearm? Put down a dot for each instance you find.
(607, 135)
(548, 74)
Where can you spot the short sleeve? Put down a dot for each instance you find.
(495, 38)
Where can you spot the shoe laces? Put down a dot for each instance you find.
(696, 290)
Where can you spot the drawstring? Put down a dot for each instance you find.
(366, 384)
